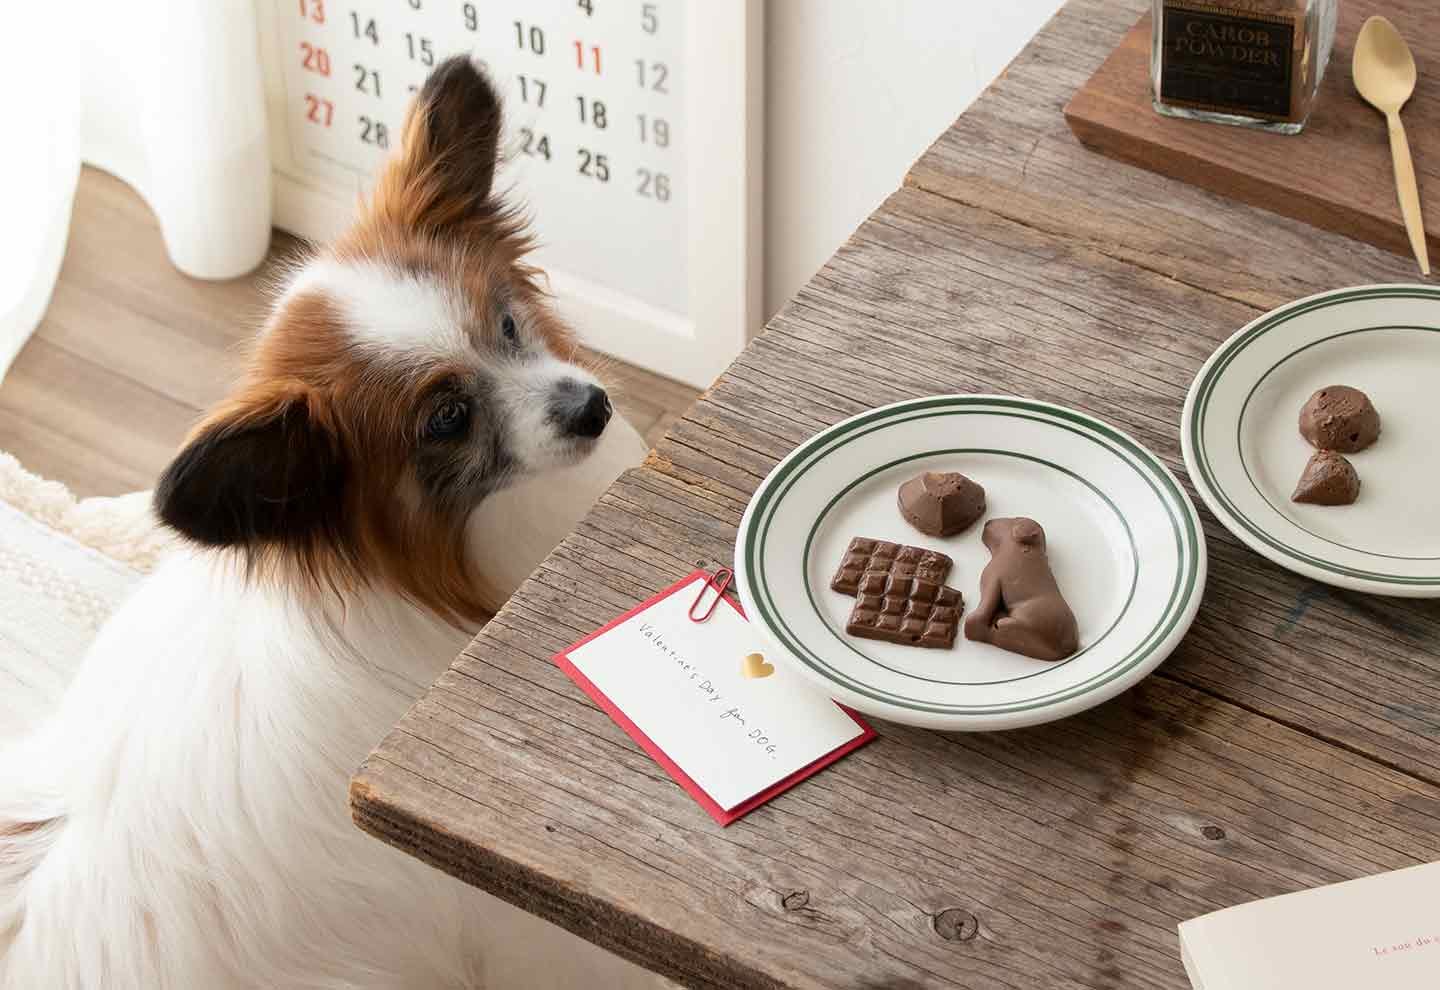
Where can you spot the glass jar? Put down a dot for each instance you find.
(1256, 63)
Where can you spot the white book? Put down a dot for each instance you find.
(1377, 932)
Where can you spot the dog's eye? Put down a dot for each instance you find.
(507, 327)
(448, 420)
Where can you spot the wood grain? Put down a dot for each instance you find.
(131, 352)
(1074, 846)
(1290, 741)
(1336, 174)
(1012, 154)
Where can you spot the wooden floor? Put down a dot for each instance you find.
(131, 352)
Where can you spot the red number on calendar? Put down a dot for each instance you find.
(318, 111)
(580, 56)
(313, 9)
(315, 59)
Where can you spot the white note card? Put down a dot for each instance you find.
(1381, 932)
(737, 730)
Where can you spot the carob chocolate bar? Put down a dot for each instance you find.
(865, 555)
(909, 611)
(900, 594)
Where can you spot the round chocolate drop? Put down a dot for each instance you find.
(1341, 418)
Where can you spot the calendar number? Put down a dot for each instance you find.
(367, 81)
(313, 10)
(365, 28)
(318, 111)
(420, 49)
(530, 87)
(653, 185)
(533, 38)
(652, 75)
(655, 130)
(593, 165)
(586, 5)
(374, 132)
(580, 51)
(595, 114)
(314, 59)
(535, 145)
(472, 19)
(649, 20)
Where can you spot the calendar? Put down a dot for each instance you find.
(632, 139)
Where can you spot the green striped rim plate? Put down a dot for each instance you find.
(1244, 451)
(1125, 545)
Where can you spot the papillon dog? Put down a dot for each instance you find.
(181, 820)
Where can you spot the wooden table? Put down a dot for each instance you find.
(1291, 740)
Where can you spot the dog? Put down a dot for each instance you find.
(1021, 609)
(181, 820)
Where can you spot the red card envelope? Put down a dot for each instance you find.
(686, 683)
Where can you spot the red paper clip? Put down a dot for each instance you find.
(720, 580)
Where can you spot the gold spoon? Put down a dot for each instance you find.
(1384, 73)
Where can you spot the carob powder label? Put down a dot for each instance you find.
(1226, 60)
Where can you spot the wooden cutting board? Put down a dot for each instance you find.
(1336, 174)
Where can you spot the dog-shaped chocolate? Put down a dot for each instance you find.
(1021, 608)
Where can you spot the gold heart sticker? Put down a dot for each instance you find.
(755, 666)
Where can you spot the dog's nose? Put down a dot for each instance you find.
(590, 413)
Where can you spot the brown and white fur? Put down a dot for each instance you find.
(180, 821)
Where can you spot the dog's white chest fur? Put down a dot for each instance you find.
(200, 763)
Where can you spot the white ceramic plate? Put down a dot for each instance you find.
(1244, 451)
(1124, 542)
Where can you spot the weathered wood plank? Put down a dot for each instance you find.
(965, 297)
(1076, 846)
(969, 301)
(1011, 153)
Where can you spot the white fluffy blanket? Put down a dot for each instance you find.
(64, 566)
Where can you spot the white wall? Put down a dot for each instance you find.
(855, 91)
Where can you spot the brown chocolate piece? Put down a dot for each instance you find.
(941, 504)
(1328, 479)
(909, 611)
(1021, 609)
(896, 559)
(1341, 418)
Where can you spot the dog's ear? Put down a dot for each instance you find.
(445, 170)
(455, 126)
(1027, 533)
(257, 474)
